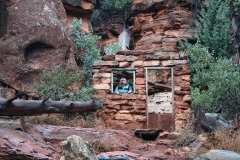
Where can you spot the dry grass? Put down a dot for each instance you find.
(105, 144)
(72, 120)
(224, 139)
(187, 135)
(185, 138)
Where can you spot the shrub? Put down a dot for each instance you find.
(87, 47)
(215, 81)
(115, 4)
(58, 81)
(112, 48)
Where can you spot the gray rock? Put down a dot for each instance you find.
(220, 155)
(215, 121)
(75, 148)
(119, 157)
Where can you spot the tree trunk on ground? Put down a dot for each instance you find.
(20, 107)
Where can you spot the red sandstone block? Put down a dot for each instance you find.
(105, 117)
(142, 57)
(178, 98)
(141, 92)
(185, 67)
(140, 87)
(140, 112)
(127, 107)
(182, 92)
(107, 102)
(141, 107)
(114, 96)
(140, 81)
(185, 88)
(181, 105)
(105, 69)
(120, 102)
(117, 107)
(130, 102)
(96, 81)
(129, 96)
(102, 91)
(142, 97)
(110, 111)
(139, 102)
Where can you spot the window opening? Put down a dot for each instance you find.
(118, 73)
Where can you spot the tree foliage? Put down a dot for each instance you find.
(112, 48)
(58, 81)
(87, 47)
(213, 28)
(215, 81)
(114, 4)
(104, 8)
(215, 77)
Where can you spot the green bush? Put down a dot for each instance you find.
(87, 47)
(114, 4)
(213, 28)
(112, 48)
(57, 82)
(95, 16)
(215, 81)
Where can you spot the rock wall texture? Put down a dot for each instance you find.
(36, 38)
(155, 28)
(80, 9)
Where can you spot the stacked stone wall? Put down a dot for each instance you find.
(128, 111)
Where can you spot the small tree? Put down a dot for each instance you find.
(87, 47)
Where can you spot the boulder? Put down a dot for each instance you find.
(216, 121)
(37, 37)
(220, 155)
(16, 144)
(76, 148)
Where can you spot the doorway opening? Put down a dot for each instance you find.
(160, 98)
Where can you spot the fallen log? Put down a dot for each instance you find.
(20, 107)
(160, 86)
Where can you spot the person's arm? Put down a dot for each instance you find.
(130, 89)
(116, 90)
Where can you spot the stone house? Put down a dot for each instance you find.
(145, 108)
(154, 68)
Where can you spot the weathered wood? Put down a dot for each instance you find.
(200, 122)
(160, 86)
(21, 107)
(157, 87)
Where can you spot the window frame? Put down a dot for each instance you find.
(124, 69)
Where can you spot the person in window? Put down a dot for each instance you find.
(123, 87)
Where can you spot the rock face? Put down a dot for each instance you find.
(79, 9)
(76, 148)
(20, 145)
(37, 37)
